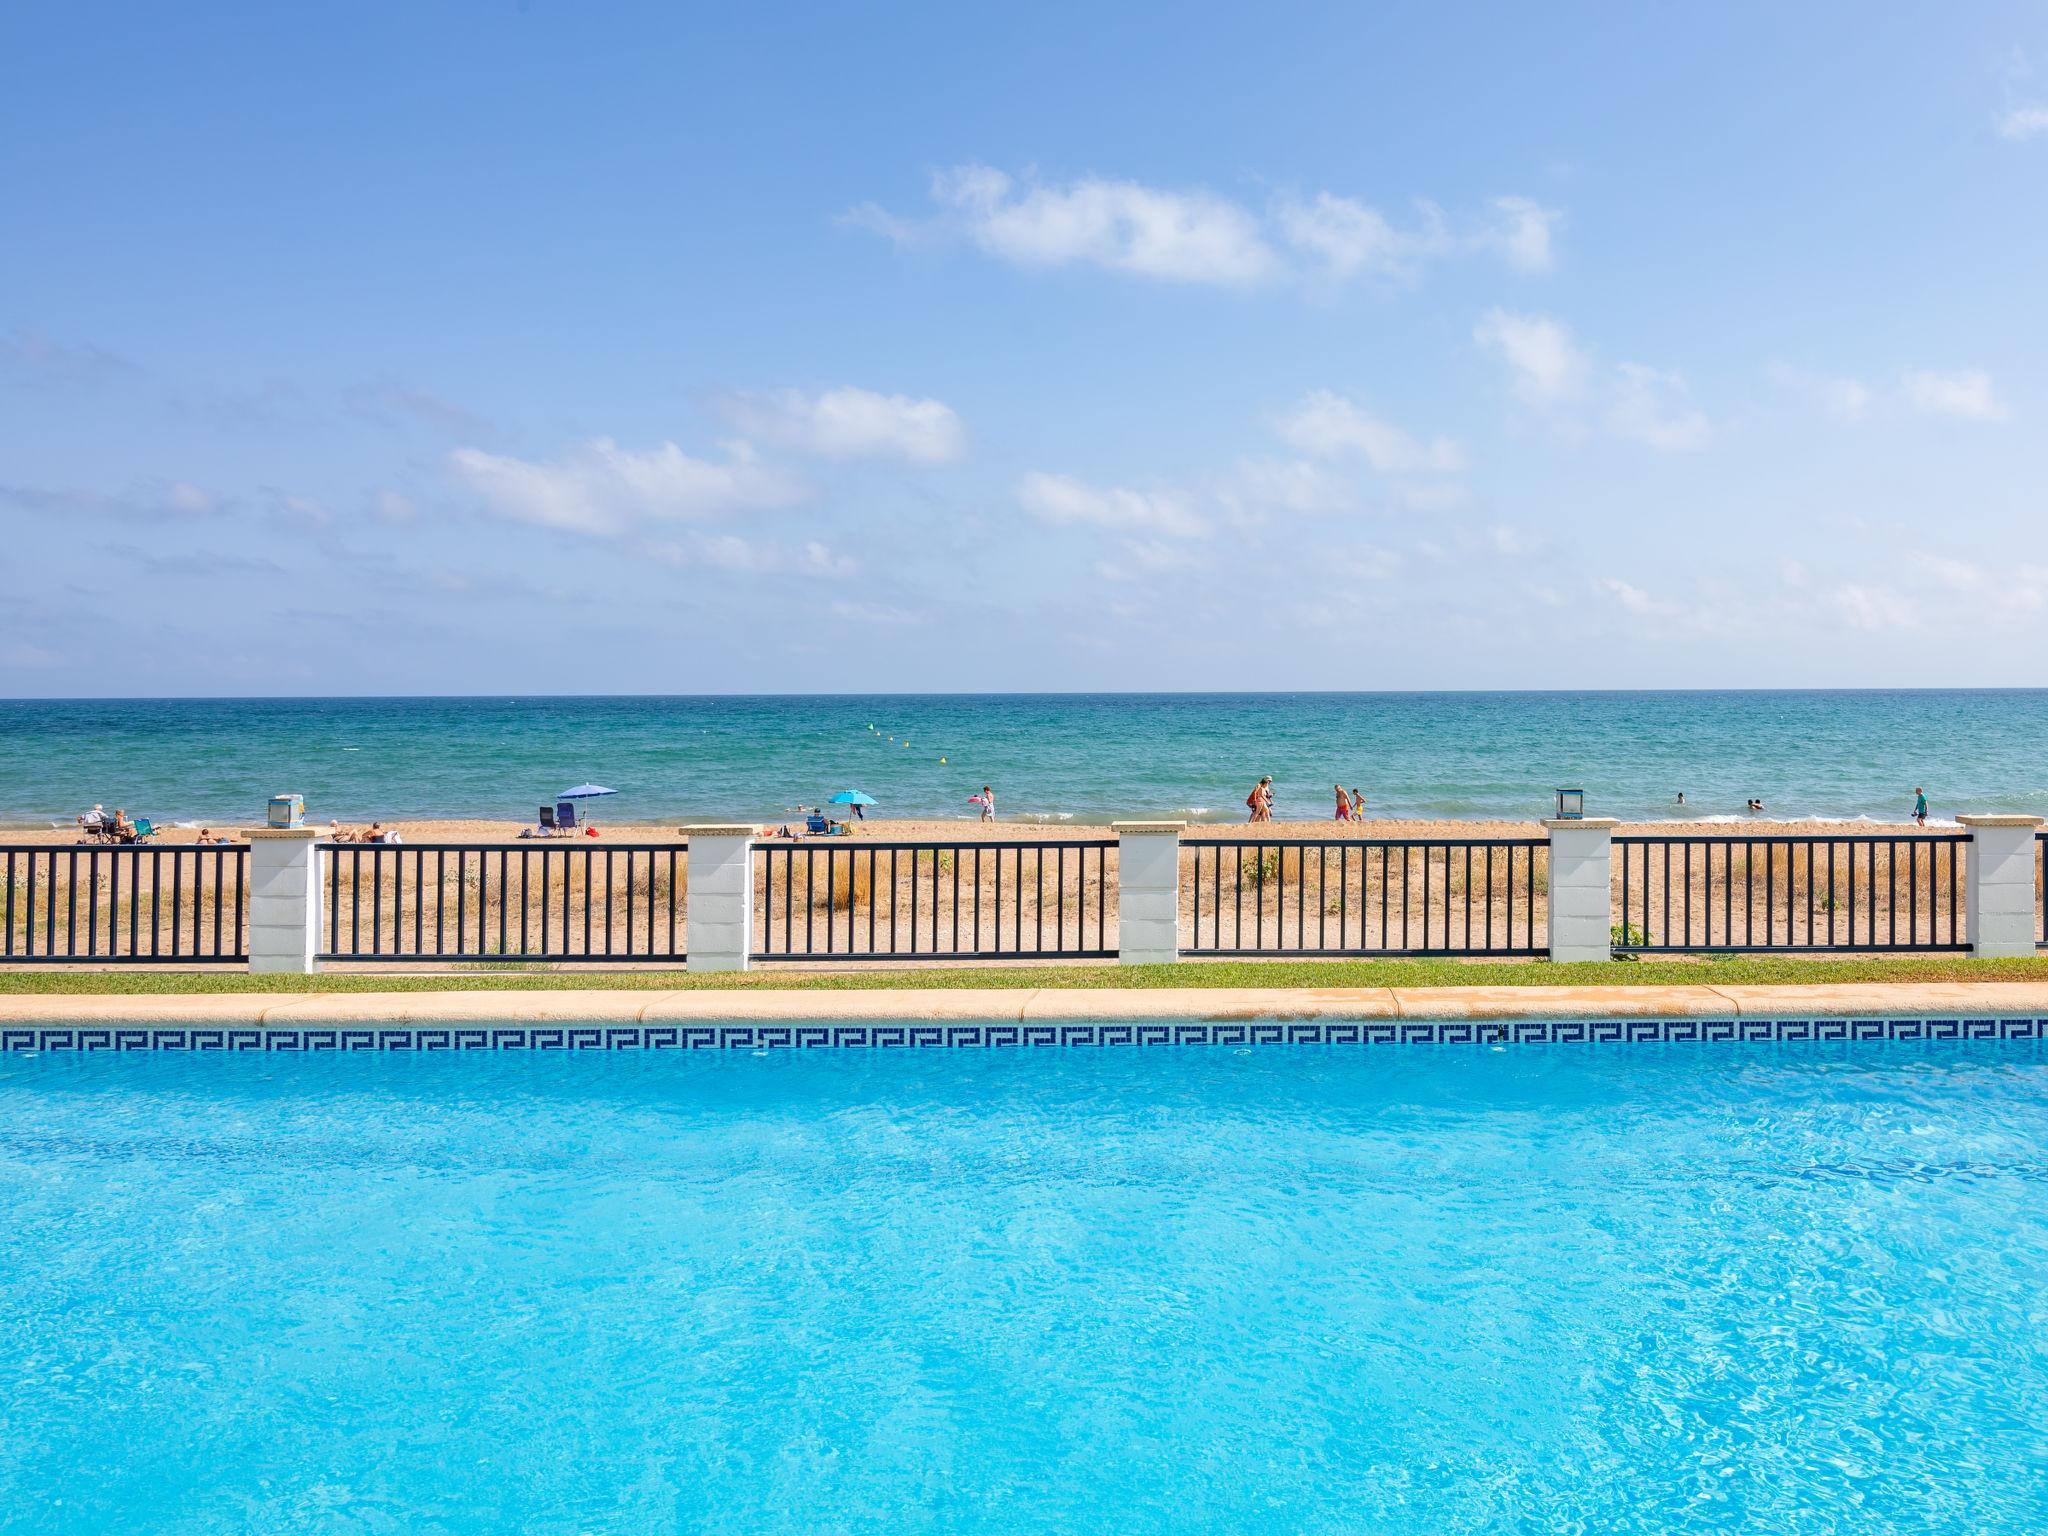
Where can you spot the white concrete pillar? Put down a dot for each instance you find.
(1148, 891)
(719, 876)
(1999, 885)
(284, 900)
(1582, 888)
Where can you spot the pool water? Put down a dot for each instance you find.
(1658, 1288)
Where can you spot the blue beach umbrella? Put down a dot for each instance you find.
(851, 797)
(585, 792)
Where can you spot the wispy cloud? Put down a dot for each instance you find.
(150, 501)
(1841, 396)
(739, 556)
(1967, 393)
(2030, 122)
(1194, 235)
(1545, 364)
(1654, 408)
(850, 423)
(1064, 499)
(601, 488)
(1326, 425)
(29, 357)
(403, 406)
(1551, 373)
(1872, 607)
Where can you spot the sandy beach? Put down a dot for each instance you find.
(966, 829)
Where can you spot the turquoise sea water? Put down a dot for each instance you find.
(1084, 757)
(1650, 1289)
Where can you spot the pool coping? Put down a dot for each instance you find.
(1039, 1004)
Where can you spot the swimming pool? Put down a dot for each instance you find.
(1776, 1287)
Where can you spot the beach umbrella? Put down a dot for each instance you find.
(585, 792)
(851, 797)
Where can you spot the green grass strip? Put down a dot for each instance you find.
(1739, 970)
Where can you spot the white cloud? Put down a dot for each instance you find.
(1843, 397)
(1963, 392)
(1633, 598)
(1063, 499)
(2024, 123)
(850, 423)
(1327, 425)
(1521, 233)
(1863, 607)
(1198, 236)
(1349, 237)
(1253, 490)
(1549, 371)
(603, 489)
(1122, 225)
(1653, 408)
(1545, 365)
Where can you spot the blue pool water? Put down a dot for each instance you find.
(1651, 1289)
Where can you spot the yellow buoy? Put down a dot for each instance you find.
(942, 760)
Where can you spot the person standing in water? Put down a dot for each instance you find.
(988, 803)
(1919, 806)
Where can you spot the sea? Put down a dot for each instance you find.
(1850, 755)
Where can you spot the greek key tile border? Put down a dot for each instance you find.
(627, 1037)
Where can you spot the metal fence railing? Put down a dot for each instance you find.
(2041, 886)
(124, 905)
(1702, 894)
(935, 900)
(523, 901)
(1400, 896)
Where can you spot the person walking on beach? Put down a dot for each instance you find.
(1261, 799)
(1919, 806)
(1343, 804)
(1357, 803)
(988, 803)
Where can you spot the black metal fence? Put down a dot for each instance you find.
(526, 901)
(2041, 886)
(1400, 896)
(1704, 894)
(935, 901)
(124, 905)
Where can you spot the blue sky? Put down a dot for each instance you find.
(496, 348)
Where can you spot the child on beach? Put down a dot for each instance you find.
(988, 803)
(1919, 806)
(1357, 803)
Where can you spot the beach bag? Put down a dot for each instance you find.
(1252, 800)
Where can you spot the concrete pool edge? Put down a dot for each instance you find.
(1023, 1006)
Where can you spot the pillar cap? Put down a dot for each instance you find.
(305, 834)
(1999, 821)
(719, 829)
(1590, 823)
(1121, 827)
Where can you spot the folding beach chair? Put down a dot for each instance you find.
(547, 819)
(565, 816)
